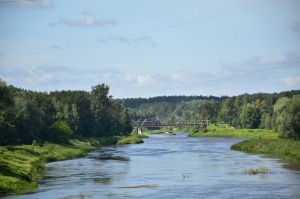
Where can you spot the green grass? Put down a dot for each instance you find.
(279, 147)
(262, 141)
(228, 131)
(132, 139)
(21, 164)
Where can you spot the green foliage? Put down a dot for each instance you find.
(287, 117)
(26, 115)
(20, 164)
(60, 132)
(281, 147)
(225, 130)
(133, 139)
(250, 116)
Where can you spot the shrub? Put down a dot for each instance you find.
(60, 132)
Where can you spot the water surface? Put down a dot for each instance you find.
(169, 167)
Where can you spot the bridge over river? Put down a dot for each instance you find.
(156, 122)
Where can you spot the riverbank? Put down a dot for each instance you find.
(284, 148)
(229, 131)
(262, 141)
(20, 165)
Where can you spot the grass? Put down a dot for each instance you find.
(132, 139)
(21, 164)
(279, 147)
(228, 131)
(262, 141)
(261, 170)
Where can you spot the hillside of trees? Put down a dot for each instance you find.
(277, 111)
(27, 116)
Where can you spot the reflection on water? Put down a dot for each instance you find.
(169, 167)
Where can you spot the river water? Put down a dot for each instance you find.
(169, 167)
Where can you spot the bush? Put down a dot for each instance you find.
(60, 132)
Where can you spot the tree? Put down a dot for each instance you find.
(250, 116)
(8, 133)
(287, 112)
(100, 107)
(59, 132)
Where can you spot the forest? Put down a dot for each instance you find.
(277, 111)
(28, 116)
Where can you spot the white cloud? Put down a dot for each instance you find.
(178, 77)
(88, 21)
(36, 78)
(272, 59)
(292, 81)
(143, 80)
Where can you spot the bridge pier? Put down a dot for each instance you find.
(139, 131)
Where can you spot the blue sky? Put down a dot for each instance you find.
(151, 48)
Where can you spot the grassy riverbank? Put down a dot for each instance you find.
(263, 141)
(21, 164)
(228, 131)
(279, 147)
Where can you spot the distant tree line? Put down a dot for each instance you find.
(277, 111)
(26, 115)
(136, 102)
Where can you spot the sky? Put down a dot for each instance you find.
(152, 47)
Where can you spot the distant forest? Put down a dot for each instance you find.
(277, 111)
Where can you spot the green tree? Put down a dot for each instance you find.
(250, 116)
(59, 132)
(100, 107)
(8, 133)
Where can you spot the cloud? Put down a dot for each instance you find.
(88, 21)
(29, 4)
(143, 80)
(271, 59)
(53, 76)
(292, 81)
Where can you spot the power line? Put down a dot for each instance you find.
(144, 32)
(216, 80)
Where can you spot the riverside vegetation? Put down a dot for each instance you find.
(261, 141)
(21, 164)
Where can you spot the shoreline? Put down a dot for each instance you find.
(20, 165)
(261, 141)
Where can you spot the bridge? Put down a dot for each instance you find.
(155, 122)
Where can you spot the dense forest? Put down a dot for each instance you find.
(277, 111)
(28, 116)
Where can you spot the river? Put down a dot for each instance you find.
(169, 167)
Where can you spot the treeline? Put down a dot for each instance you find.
(277, 111)
(27, 116)
(136, 102)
